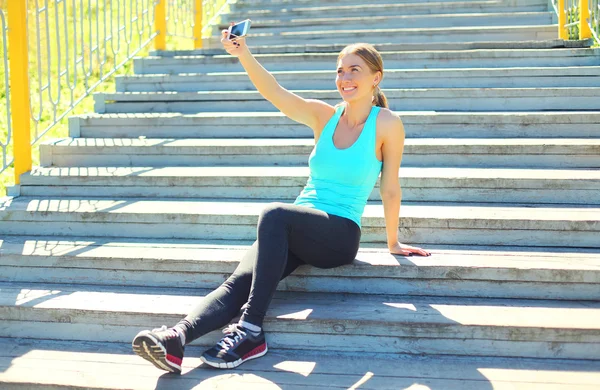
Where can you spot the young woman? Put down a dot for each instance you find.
(355, 141)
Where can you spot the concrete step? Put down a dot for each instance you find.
(419, 124)
(386, 8)
(282, 23)
(461, 185)
(319, 322)
(113, 366)
(400, 35)
(249, 5)
(485, 272)
(545, 44)
(282, 58)
(430, 223)
(439, 99)
(394, 78)
(418, 152)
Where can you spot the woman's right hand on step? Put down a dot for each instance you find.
(235, 46)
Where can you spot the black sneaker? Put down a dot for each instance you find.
(161, 347)
(235, 348)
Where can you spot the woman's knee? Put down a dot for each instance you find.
(273, 213)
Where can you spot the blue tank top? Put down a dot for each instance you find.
(341, 180)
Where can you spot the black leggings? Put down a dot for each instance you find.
(287, 236)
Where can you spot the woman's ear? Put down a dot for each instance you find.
(377, 78)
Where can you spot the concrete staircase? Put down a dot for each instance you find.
(152, 200)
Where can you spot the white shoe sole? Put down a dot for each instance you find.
(148, 347)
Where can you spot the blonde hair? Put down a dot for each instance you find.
(374, 61)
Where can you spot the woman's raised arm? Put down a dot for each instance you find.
(305, 111)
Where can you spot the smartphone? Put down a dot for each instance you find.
(239, 29)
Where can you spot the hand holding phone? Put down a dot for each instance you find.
(232, 42)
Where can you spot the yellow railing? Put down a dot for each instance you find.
(67, 48)
(578, 19)
(19, 80)
(5, 123)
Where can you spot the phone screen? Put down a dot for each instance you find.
(238, 29)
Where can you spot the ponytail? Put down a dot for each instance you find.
(379, 98)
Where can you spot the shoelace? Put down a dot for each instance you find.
(233, 334)
(165, 329)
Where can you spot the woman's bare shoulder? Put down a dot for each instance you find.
(324, 112)
(390, 124)
(388, 115)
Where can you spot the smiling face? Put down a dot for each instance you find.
(355, 79)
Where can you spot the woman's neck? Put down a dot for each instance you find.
(355, 114)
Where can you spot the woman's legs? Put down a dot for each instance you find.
(288, 236)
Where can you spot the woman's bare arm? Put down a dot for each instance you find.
(389, 188)
(305, 111)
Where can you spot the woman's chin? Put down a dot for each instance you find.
(348, 98)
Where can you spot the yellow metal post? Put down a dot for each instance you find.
(160, 25)
(19, 86)
(198, 13)
(584, 27)
(562, 20)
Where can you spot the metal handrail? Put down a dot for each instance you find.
(117, 39)
(62, 44)
(578, 19)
